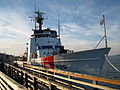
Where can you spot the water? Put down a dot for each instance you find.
(109, 72)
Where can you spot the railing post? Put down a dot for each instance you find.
(5, 69)
(35, 83)
(12, 72)
(50, 86)
(26, 80)
(9, 70)
(22, 78)
(69, 77)
(1, 67)
(95, 83)
(17, 76)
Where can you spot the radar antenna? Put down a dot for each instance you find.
(39, 18)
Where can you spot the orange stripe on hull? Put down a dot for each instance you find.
(48, 61)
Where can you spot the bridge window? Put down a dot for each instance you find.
(47, 47)
(61, 47)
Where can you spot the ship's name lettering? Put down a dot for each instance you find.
(60, 66)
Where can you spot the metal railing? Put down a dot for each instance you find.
(75, 77)
(35, 77)
(6, 83)
(33, 81)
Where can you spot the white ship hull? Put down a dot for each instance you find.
(89, 61)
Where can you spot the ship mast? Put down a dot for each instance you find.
(39, 19)
(105, 36)
(106, 45)
(35, 16)
(58, 25)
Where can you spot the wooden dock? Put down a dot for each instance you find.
(35, 78)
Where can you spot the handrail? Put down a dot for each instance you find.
(49, 76)
(76, 81)
(27, 76)
(95, 78)
(8, 83)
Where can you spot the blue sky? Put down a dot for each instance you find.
(80, 28)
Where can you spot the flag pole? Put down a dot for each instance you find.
(106, 45)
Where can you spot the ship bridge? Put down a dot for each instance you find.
(43, 42)
(45, 33)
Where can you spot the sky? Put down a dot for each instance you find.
(79, 23)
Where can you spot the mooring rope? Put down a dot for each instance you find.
(112, 64)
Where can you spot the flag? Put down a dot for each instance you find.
(102, 21)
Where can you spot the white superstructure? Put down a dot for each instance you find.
(43, 42)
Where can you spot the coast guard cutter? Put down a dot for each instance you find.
(44, 48)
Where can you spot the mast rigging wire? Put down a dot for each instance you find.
(112, 64)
